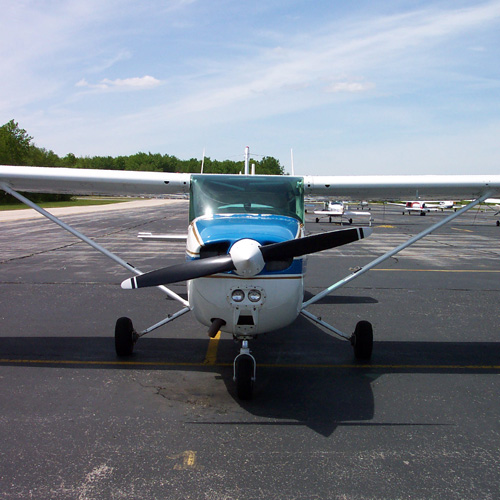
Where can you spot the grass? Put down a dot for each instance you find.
(77, 202)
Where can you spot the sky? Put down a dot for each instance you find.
(355, 88)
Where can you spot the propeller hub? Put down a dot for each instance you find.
(247, 257)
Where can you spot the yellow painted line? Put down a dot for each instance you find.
(365, 366)
(96, 363)
(464, 230)
(385, 367)
(440, 270)
(213, 344)
(185, 460)
(387, 225)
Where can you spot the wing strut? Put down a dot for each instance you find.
(87, 240)
(388, 255)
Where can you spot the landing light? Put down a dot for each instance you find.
(254, 296)
(238, 295)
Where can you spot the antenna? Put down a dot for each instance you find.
(247, 156)
(291, 156)
(202, 161)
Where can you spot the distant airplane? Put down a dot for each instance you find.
(340, 211)
(415, 207)
(424, 207)
(442, 205)
(496, 202)
(246, 243)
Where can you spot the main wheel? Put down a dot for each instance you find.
(125, 337)
(244, 371)
(362, 340)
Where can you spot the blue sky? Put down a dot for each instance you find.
(360, 87)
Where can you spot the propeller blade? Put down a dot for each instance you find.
(180, 272)
(312, 244)
(274, 252)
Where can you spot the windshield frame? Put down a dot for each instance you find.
(246, 194)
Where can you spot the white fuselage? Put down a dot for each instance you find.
(279, 305)
(253, 303)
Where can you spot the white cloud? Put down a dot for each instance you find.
(389, 48)
(135, 83)
(349, 87)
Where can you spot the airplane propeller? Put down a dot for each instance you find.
(247, 258)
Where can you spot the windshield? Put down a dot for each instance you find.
(243, 194)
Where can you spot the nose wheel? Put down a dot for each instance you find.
(244, 369)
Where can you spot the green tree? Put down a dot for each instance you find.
(15, 144)
(17, 148)
(269, 166)
(69, 160)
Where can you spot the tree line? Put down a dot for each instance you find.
(18, 148)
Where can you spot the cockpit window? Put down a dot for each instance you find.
(242, 194)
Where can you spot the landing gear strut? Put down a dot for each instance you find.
(244, 369)
(126, 336)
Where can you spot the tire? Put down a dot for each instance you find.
(125, 337)
(244, 377)
(362, 341)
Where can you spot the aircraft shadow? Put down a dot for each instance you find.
(304, 376)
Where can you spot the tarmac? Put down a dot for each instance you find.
(420, 421)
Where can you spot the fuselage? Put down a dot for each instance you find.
(225, 212)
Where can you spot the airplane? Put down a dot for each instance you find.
(339, 209)
(442, 205)
(424, 207)
(413, 207)
(496, 202)
(246, 244)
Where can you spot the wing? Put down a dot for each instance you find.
(350, 212)
(93, 182)
(387, 187)
(112, 182)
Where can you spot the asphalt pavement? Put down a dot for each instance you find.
(420, 421)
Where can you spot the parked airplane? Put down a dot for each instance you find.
(340, 211)
(423, 207)
(415, 207)
(442, 205)
(246, 243)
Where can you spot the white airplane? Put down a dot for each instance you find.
(246, 243)
(416, 207)
(339, 210)
(423, 207)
